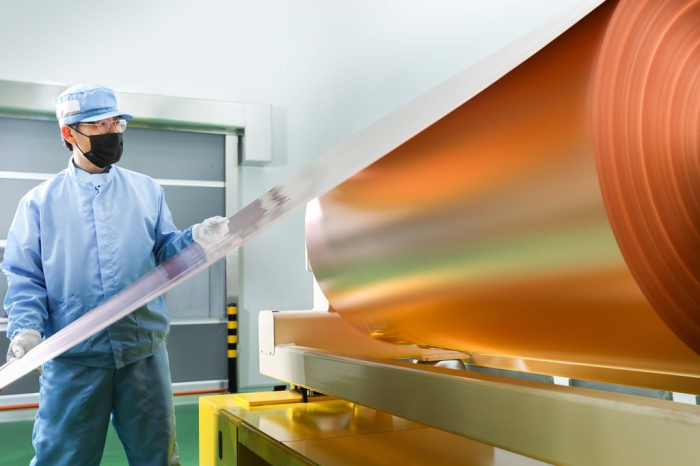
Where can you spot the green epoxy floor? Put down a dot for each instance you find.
(16, 440)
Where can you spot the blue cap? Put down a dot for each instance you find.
(86, 102)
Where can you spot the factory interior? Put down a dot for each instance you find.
(459, 232)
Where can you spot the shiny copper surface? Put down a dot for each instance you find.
(487, 232)
(647, 121)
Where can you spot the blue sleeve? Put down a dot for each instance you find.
(26, 302)
(169, 240)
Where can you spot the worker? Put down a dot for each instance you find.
(77, 240)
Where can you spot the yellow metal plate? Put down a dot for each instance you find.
(248, 400)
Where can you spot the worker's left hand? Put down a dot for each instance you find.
(210, 230)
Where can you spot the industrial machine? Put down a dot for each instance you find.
(540, 224)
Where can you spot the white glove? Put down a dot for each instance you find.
(22, 343)
(210, 230)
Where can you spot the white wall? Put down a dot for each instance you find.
(328, 68)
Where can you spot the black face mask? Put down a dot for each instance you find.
(105, 149)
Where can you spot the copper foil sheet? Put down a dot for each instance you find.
(488, 233)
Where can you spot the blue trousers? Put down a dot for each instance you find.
(76, 403)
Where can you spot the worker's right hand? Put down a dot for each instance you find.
(210, 231)
(22, 343)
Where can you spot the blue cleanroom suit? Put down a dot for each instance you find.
(76, 240)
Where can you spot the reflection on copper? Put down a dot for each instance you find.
(487, 232)
(322, 419)
(647, 121)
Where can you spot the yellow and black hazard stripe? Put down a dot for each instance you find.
(232, 340)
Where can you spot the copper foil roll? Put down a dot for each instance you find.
(647, 133)
(488, 233)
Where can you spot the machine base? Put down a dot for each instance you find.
(332, 432)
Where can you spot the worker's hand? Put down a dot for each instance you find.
(210, 230)
(22, 343)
